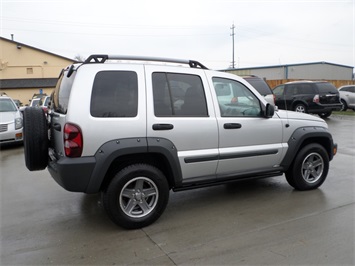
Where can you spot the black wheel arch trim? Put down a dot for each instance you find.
(112, 150)
(305, 135)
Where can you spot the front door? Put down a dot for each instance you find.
(248, 142)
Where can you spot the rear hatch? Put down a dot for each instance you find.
(59, 110)
(328, 94)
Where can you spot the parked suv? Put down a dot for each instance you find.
(315, 97)
(347, 97)
(143, 129)
(262, 87)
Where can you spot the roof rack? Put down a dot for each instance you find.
(100, 58)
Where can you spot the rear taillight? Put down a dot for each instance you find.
(316, 98)
(73, 140)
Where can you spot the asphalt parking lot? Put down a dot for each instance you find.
(260, 222)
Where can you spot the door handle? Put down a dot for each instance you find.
(232, 126)
(163, 126)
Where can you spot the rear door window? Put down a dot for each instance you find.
(178, 94)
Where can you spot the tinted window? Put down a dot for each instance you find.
(260, 85)
(178, 95)
(114, 94)
(62, 92)
(326, 88)
(299, 88)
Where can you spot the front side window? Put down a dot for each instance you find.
(178, 95)
(235, 99)
(114, 94)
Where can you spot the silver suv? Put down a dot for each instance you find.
(133, 129)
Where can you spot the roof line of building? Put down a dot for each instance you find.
(41, 50)
(289, 65)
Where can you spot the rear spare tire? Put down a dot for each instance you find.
(35, 131)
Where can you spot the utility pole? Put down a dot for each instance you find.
(233, 34)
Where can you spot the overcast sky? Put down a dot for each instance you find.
(266, 32)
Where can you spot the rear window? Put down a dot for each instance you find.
(260, 85)
(326, 88)
(115, 94)
(62, 92)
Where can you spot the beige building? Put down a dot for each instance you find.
(26, 70)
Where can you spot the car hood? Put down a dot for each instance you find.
(291, 115)
(8, 117)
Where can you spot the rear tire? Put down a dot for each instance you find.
(300, 107)
(344, 106)
(136, 196)
(35, 134)
(325, 115)
(309, 169)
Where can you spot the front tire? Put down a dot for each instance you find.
(136, 196)
(309, 169)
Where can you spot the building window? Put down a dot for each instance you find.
(29, 70)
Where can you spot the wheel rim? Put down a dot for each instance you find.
(312, 168)
(139, 197)
(300, 109)
(343, 105)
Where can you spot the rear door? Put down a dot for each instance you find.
(180, 109)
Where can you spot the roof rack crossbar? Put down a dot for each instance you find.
(99, 58)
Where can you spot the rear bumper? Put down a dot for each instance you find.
(324, 108)
(73, 174)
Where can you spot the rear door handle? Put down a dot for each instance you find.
(232, 126)
(163, 126)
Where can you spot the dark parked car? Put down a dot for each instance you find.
(315, 97)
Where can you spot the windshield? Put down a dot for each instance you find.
(6, 105)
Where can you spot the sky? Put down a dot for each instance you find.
(266, 33)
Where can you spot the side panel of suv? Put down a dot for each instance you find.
(135, 131)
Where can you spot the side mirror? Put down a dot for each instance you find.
(269, 111)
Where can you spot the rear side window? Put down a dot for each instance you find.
(296, 89)
(62, 92)
(114, 94)
(178, 95)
